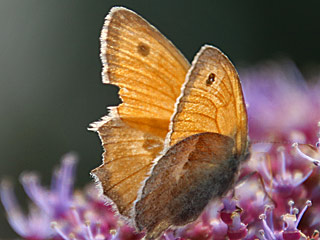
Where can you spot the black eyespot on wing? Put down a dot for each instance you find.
(210, 79)
(143, 49)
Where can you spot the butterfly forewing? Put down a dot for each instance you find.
(211, 101)
(149, 71)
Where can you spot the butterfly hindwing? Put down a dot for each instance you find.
(124, 146)
(190, 174)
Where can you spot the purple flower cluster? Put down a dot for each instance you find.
(60, 213)
(276, 197)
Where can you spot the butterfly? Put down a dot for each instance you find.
(178, 137)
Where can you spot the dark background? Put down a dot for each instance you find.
(50, 84)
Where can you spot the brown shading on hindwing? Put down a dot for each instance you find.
(149, 71)
(190, 174)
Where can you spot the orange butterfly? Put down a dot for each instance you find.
(180, 134)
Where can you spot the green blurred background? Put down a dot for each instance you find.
(50, 84)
